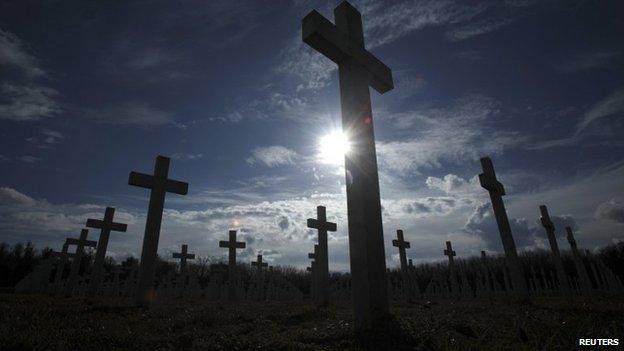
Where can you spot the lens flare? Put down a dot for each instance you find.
(333, 147)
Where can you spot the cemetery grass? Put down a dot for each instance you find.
(31, 322)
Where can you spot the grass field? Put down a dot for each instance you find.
(42, 323)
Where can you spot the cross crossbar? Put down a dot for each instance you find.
(338, 46)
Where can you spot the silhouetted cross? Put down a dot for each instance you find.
(402, 245)
(259, 263)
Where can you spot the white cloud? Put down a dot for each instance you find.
(12, 197)
(527, 233)
(273, 156)
(611, 210)
(278, 223)
(453, 184)
(24, 99)
(311, 68)
(25, 218)
(456, 133)
(483, 224)
(28, 102)
(610, 105)
(13, 52)
(385, 24)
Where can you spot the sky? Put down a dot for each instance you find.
(250, 117)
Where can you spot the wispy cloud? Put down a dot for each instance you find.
(10, 196)
(387, 21)
(457, 133)
(130, 113)
(131, 60)
(478, 28)
(186, 156)
(28, 102)
(611, 105)
(310, 67)
(273, 156)
(28, 159)
(587, 61)
(25, 97)
(46, 138)
(14, 53)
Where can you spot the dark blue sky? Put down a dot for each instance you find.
(93, 90)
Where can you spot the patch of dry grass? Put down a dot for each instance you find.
(42, 323)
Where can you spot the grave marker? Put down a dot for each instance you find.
(160, 185)
(489, 182)
(259, 264)
(80, 243)
(60, 268)
(554, 247)
(586, 285)
(232, 245)
(451, 263)
(321, 254)
(106, 226)
(183, 256)
(358, 69)
(402, 245)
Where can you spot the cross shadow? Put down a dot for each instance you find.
(390, 335)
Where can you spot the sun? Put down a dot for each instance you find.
(333, 147)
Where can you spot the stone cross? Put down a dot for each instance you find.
(554, 247)
(116, 271)
(58, 275)
(183, 256)
(453, 276)
(402, 245)
(45, 269)
(450, 253)
(106, 226)
(358, 69)
(586, 285)
(159, 185)
(75, 267)
(313, 283)
(314, 275)
(321, 254)
(259, 264)
(497, 191)
(232, 245)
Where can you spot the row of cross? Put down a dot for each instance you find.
(159, 185)
(319, 267)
